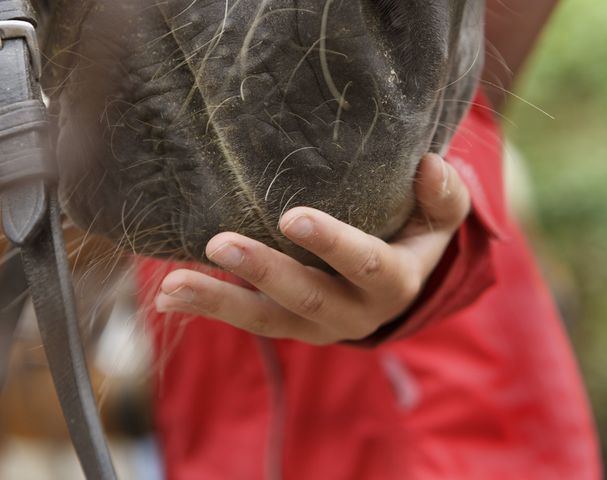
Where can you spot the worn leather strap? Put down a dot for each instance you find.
(31, 219)
(13, 294)
(16, 10)
(19, 159)
(46, 268)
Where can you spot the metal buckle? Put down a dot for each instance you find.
(10, 29)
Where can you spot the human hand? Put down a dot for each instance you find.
(377, 281)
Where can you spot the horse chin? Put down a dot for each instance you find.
(196, 120)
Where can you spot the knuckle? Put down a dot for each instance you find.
(260, 274)
(259, 324)
(312, 303)
(331, 245)
(210, 305)
(370, 266)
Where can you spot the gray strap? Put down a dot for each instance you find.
(17, 10)
(46, 268)
(21, 118)
(20, 159)
(24, 205)
(31, 218)
(13, 294)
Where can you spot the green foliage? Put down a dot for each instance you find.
(567, 157)
(570, 65)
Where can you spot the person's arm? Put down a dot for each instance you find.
(512, 30)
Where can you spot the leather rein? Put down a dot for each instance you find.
(32, 223)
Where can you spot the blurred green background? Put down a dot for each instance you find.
(567, 162)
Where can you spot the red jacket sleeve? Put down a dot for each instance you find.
(466, 270)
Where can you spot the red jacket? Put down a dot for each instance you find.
(476, 381)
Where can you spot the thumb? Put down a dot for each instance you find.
(442, 196)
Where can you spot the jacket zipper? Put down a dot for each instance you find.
(276, 429)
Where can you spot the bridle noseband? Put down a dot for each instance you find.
(32, 223)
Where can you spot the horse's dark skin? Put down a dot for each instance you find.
(178, 120)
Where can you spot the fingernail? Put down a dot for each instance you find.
(445, 171)
(228, 255)
(300, 227)
(183, 293)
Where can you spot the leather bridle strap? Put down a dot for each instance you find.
(31, 219)
(13, 294)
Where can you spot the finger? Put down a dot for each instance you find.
(199, 294)
(441, 194)
(307, 292)
(443, 204)
(364, 260)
